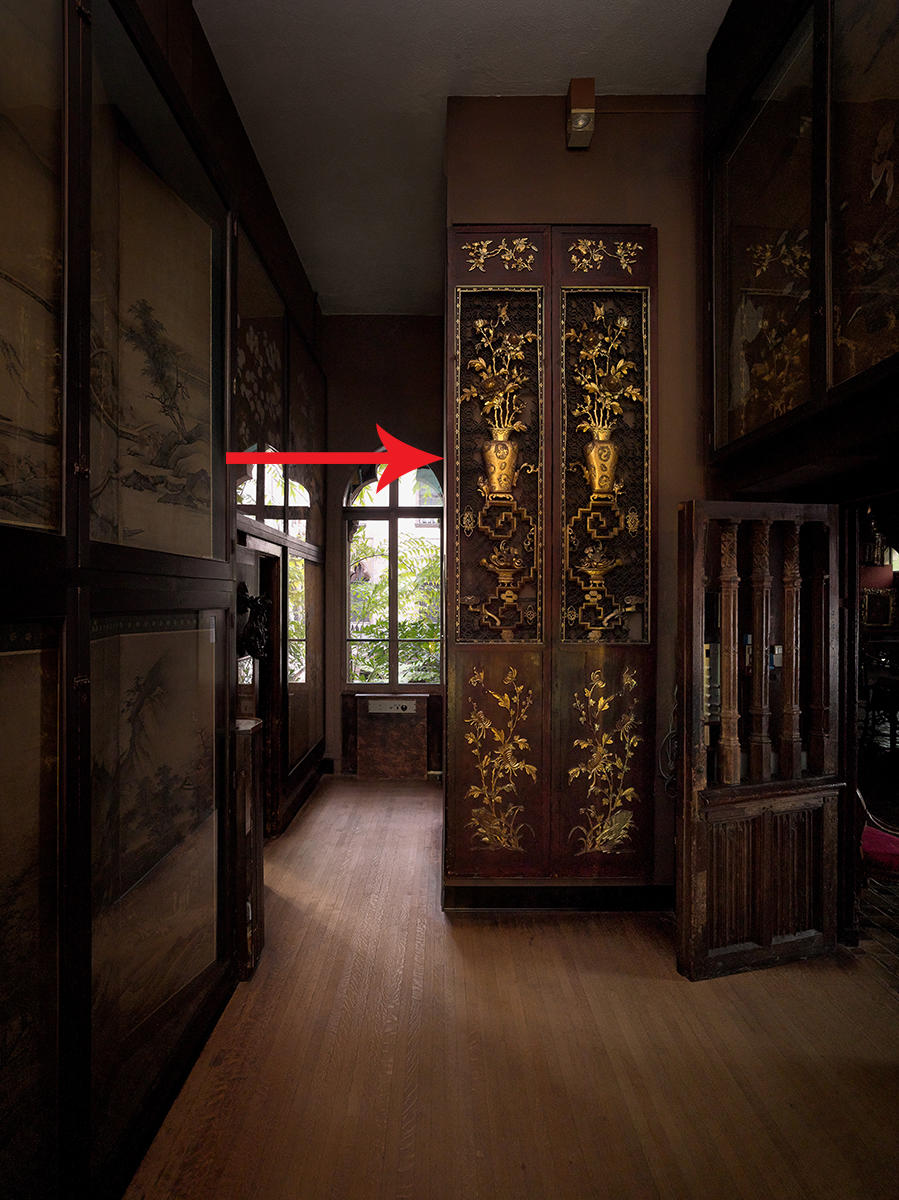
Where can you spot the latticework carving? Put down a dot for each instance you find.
(605, 482)
(499, 539)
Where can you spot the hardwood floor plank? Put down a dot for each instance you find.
(387, 1051)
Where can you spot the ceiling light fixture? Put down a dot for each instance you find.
(580, 112)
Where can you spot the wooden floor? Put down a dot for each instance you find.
(384, 1050)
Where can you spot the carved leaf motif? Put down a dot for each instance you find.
(606, 764)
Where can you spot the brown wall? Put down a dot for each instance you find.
(507, 163)
(380, 369)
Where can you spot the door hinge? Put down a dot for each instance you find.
(81, 468)
(83, 9)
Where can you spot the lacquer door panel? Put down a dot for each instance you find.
(604, 725)
(499, 440)
(497, 819)
(603, 407)
(550, 618)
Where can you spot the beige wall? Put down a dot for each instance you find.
(506, 162)
(380, 369)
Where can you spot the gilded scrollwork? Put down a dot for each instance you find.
(496, 818)
(518, 254)
(605, 397)
(500, 364)
(606, 754)
(589, 254)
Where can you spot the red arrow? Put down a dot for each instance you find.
(399, 456)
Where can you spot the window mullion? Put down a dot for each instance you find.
(393, 563)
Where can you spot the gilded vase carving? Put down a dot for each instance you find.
(602, 458)
(500, 458)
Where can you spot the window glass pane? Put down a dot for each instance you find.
(367, 496)
(418, 578)
(274, 484)
(368, 662)
(244, 671)
(865, 199)
(420, 488)
(368, 579)
(305, 693)
(296, 619)
(297, 496)
(246, 489)
(768, 187)
(298, 501)
(419, 662)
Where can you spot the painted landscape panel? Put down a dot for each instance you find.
(30, 264)
(151, 345)
(154, 821)
(29, 717)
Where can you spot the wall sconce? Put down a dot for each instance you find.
(580, 112)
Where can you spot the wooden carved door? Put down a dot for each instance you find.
(758, 824)
(550, 646)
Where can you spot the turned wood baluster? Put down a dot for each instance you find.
(759, 711)
(819, 733)
(729, 745)
(790, 740)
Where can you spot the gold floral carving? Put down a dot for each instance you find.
(606, 764)
(588, 254)
(496, 389)
(516, 255)
(499, 377)
(496, 818)
(603, 373)
(605, 376)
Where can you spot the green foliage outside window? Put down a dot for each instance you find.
(418, 608)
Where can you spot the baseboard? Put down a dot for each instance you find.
(479, 897)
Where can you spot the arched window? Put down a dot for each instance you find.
(393, 599)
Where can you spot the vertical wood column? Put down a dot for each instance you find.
(729, 745)
(819, 733)
(759, 711)
(790, 741)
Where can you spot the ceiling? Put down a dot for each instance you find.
(345, 104)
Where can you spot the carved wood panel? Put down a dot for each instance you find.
(499, 454)
(757, 825)
(604, 727)
(496, 817)
(550, 330)
(605, 418)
